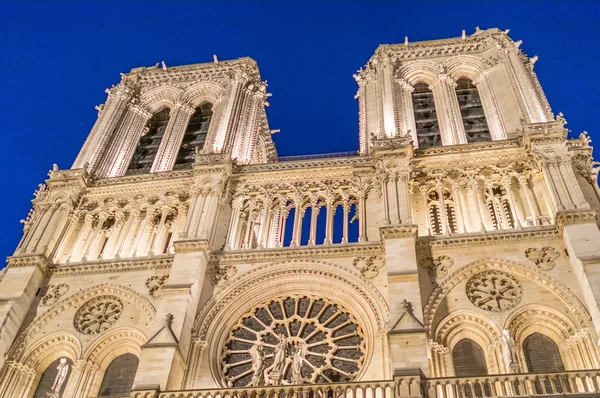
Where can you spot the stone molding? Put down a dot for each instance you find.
(41, 262)
(400, 231)
(105, 267)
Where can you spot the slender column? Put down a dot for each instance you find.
(490, 106)
(190, 215)
(329, 222)
(346, 207)
(313, 224)
(249, 226)
(171, 142)
(228, 119)
(397, 199)
(474, 185)
(71, 227)
(108, 119)
(236, 205)
(296, 233)
(140, 232)
(284, 215)
(384, 193)
(424, 190)
(446, 230)
(507, 182)
(568, 176)
(405, 213)
(50, 228)
(101, 218)
(160, 228)
(408, 124)
(39, 227)
(206, 224)
(197, 217)
(559, 185)
(116, 235)
(84, 233)
(133, 214)
(265, 240)
(448, 111)
(362, 217)
(385, 82)
(552, 192)
(126, 141)
(459, 208)
(523, 181)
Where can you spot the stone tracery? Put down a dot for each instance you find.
(494, 291)
(302, 339)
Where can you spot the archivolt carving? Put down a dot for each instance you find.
(106, 343)
(552, 321)
(570, 300)
(205, 91)
(415, 71)
(494, 291)
(544, 258)
(470, 66)
(75, 301)
(63, 341)
(163, 95)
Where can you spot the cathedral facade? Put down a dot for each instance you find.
(453, 255)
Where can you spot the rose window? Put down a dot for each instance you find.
(293, 340)
(98, 314)
(494, 291)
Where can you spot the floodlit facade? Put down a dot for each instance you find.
(455, 254)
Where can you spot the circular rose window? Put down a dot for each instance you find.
(293, 340)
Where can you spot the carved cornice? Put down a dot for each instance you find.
(491, 238)
(468, 148)
(195, 245)
(576, 217)
(164, 176)
(304, 164)
(400, 231)
(105, 267)
(304, 253)
(29, 261)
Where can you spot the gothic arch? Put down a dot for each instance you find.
(469, 66)
(109, 346)
(198, 93)
(464, 324)
(435, 299)
(52, 347)
(269, 281)
(418, 71)
(159, 97)
(73, 302)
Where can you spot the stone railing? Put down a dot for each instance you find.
(367, 389)
(516, 385)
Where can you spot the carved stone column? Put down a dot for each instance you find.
(134, 215)
(16, 380)
(230, 112)
(407, 122)
(524, 183)
(329, 221)
(507, 183)
(236, 205)
(125, 141)
(448, 111)
(108, 119)
(388, 110)
(362, 217)
(490, 106)
(172, 138)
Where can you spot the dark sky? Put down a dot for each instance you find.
(58, 57)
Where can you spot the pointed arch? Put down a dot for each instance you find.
(469, 66)
(52, 347)
(205, 91)
(568, 298)
(418, 71)
(160, 97)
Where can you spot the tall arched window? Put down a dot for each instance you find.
(118, 379)
(498, 205)
(149, 142)
(473, 118)
(542, 354)
(428, 130)
(55, 379)
(469, 359)
(441, 210)
(195, 134)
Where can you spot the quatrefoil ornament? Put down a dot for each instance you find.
(544, 258)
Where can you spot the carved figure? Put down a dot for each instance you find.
(280, 354)
(59, 380)
(258, 363)
(300, 350)
(511, 349)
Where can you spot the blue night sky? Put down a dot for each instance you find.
(58, 57)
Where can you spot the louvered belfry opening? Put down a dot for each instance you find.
(195, 134)
(476, 126)
(542, 354)
(119, 375)
(428, 129)
(149, 142)
(469, 359)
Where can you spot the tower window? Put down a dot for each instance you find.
(469, 359)
(498, 205)
(428, 129)
(471, 111)
(195, 134)
(149, 142)
(119, 376)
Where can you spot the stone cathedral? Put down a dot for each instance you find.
(453, 255)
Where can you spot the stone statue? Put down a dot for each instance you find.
(258, 364)
(511, 346)
(59, 380)
(300, 350)
(274, 373)
(585, 138)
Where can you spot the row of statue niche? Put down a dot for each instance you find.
(284, 350)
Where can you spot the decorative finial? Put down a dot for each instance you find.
(215, 59)
(477, 29)
(164, 66)
(169, 320)
(464, 34)
(518, 43)
(533, 60)
(406, 40)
